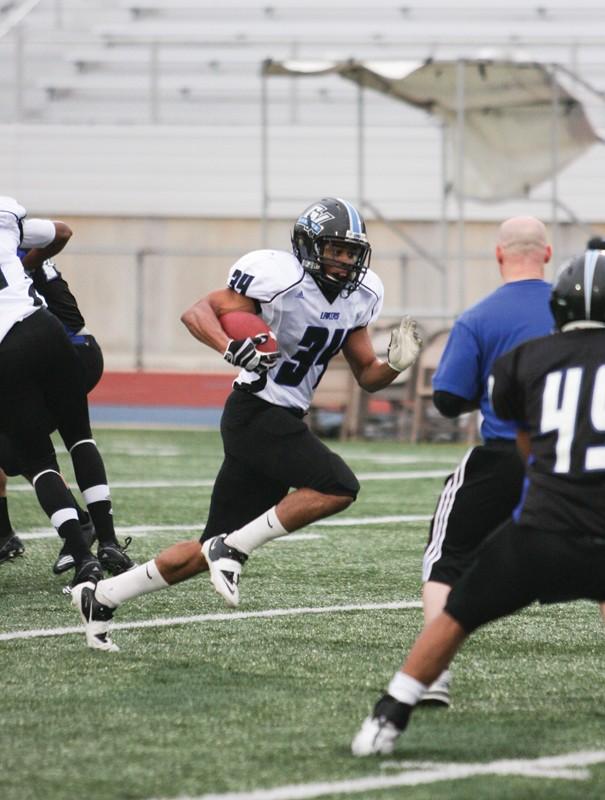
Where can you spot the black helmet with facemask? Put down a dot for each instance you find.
(337, 222)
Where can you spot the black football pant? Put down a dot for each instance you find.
(90, 358)
(478, 497)
(41, 383)
(268, 451)
(518, 565)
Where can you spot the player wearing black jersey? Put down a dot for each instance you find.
(52, 286)
(553, 550)
(37, 364)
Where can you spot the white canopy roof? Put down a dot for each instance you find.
(509, 126)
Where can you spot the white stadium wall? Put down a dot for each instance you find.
(217, 171)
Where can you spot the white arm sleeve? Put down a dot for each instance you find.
(37, 233)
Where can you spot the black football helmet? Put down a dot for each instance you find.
(579, 290)
(332, 220)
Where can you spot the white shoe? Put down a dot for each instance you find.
(225, 565)
(377, 736)
(95, 616)
(438, 693)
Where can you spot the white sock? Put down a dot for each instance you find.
(406, 689)
(140, 580)
(261, 530)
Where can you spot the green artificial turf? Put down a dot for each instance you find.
(243, 704)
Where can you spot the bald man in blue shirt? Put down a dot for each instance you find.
(486, 486)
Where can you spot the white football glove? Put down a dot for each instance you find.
(405, 345)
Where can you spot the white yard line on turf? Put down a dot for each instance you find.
(400, 475)
(570, 766)
(351, 521)
(164, 622)
(345, 522)
(384, 458)
(145, 530)
(165, 451)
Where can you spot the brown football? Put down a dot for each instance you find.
(241, 324)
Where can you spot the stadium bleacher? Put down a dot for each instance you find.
(96, 51)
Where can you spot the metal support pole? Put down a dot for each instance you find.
(264, 159)
(19, 73)
(58, 14)
(554, 160)
(293, 92)
(404, 297)
(360, 144)
(460, 120)
(443, 226)
(154, 83)
(139, 312)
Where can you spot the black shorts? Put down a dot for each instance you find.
(41, 387)
(478, 497)
(90, 358)
(268, 451)
(518, 565)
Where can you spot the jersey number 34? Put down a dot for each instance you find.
(312, 351)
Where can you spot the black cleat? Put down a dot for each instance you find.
(11, 548)
(95, 616)
(90, 571)
(65, 561)
(113, 557)
(88, 531)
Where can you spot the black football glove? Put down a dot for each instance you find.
(243, 353)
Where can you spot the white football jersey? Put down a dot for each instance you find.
(18, 299)
(309, 329)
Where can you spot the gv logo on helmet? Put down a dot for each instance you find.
(314, 217)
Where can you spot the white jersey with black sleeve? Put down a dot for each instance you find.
(18, 299)
(309, 329)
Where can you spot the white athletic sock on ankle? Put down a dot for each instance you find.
(261, 530)
(406, 689)
(140, 580)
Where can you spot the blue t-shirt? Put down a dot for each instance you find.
(514, 313)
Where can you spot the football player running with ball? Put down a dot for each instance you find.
(317, 300)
